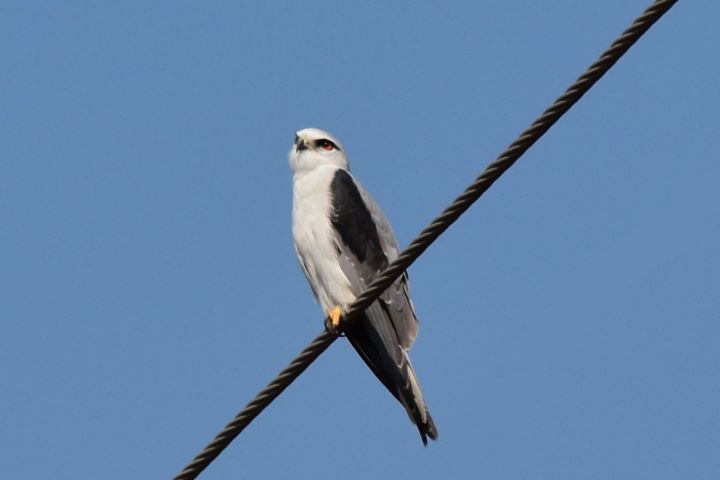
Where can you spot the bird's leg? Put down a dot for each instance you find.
(333, 319)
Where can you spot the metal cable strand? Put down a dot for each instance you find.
(257, 405)
(429, 235)
(509, 156)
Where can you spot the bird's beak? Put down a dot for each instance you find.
(300, 144)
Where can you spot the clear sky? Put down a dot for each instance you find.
(570, 321)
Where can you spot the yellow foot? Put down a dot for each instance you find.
(334, 317)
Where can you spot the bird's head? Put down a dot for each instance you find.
(314, 148)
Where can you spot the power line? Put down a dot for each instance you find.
(538, 128)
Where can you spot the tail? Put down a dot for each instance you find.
(415, 404)
(391, 365)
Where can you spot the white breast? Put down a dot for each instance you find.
(314, 237)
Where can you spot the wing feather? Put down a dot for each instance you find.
(397, 296)
(365, 244)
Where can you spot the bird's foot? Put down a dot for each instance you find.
(332, 322)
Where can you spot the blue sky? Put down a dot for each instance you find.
(570, 321)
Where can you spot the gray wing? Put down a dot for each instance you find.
(397, 296)
(365, 244)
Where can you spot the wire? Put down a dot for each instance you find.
(538, 128)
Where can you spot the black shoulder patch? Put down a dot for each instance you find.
(353, 221)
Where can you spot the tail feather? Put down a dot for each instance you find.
(391, 365)
(414, 403)
(428, 429)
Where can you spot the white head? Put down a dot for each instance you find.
(313, 148)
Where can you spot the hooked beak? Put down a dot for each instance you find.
(300, 144)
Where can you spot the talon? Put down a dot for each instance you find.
(334, 316)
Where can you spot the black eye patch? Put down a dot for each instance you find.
(326, 144)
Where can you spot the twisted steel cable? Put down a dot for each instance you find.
(538, 128)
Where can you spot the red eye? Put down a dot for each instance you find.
(326, 145)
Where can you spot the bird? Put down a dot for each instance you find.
(343, 241)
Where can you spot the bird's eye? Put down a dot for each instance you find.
(326, 145)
